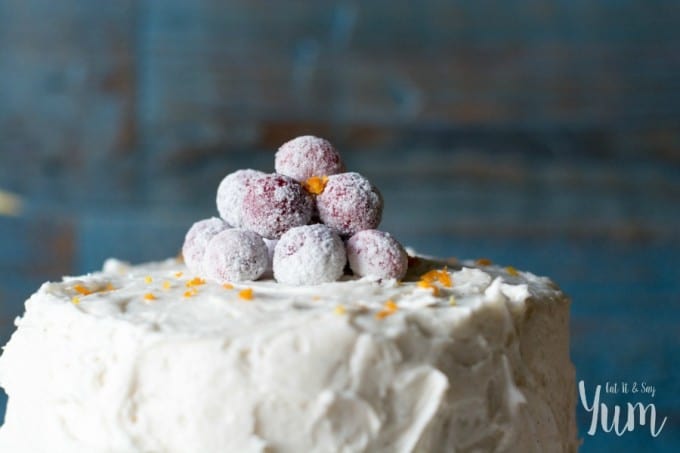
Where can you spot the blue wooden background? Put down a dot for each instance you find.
(542, 134)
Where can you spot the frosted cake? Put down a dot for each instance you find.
(308, 331)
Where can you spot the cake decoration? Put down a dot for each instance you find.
(389, 308)
(349, 204)
(230, 194)
(512, 271)
(82, 289)
(304, 157)
(275, 203)
(376, 254)
(246, 294)
(316, 184)
(308, 189)
(309, 255)
(196, 281)
(235, 255)
(196, 241)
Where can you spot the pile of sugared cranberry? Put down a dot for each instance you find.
(304, 222)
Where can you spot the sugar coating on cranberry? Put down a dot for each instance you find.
(373, 253)
(230, 194)
(275, 203)
(350, 203)
(196, 241)
(235, 255)
(309, 255)
(307, 156)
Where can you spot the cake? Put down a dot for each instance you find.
(292, 324)
(150, 358)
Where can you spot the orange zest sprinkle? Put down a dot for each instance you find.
(484, 262)
(316, 184)
(228, 286)
(444, 278)
(149, 296)
(246, 294)
(190, 293)
(75, 300)
(429, 285)
(196, 281)
(389, 308)
(148, 279)
(166, 284)
(80, 289)
(340, 310)
(512, 271)
(429, 276)
(179, 274)
(437, 275)
(109, 287)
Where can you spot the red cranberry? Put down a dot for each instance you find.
(376, 254)
(230, 194)
(235, 255)
(273, 204)
(350, 203)
(309, 255)
(196, 241)
(307, 156)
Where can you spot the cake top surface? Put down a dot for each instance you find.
(165, 297)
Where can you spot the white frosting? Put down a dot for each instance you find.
(483, 366)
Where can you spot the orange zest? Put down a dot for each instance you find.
(228, 286)
(246, 294)
(512, 271)
(149, 297)
(389, 308)
(196, 281)
(484, 262)
(316, 184)
(429, 285)
(80, 289)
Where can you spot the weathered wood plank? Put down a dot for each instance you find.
(67, 91)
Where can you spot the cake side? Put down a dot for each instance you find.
(153, 359)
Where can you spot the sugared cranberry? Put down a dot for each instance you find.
(350, 203)
(273, 204)
(235, 255)
(196, 241)
(376, 254)
(307, 156)
(230, 194)
(309, 255)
